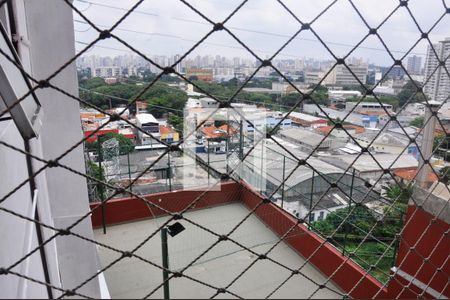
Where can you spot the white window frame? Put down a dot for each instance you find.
(13, 83)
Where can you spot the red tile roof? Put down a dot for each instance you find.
(410, 174)
(166, 129)
(211, 132)
(326, 129)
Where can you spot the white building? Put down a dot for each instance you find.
(149, 124)
(340, 75)
(341, 94)
(107, 72)
(414, 65)
(438, 85)
(54, 196)
(364, 107)
(285, 88)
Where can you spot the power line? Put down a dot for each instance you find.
(221, 97)
(119, 8)
(124, 99)
(245, 30)
(182, 39)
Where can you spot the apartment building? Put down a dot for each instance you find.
(437, 81)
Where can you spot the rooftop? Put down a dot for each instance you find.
(305, 117)
(326, 129)
(146, 118)
(302, 136)
(411, 174)
(366, 163)
(133, 278)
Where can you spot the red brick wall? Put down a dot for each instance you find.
(432, 243)
(130, 209)
(327, 259)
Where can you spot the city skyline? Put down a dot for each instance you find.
(158, 28)
(216, 60)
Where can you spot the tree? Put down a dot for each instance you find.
(357, 87)
(332, 122)
(177, 122)
(97, 189)
(233, 82)
(92, 83)
(147, 75)
(125, 144)
(291, 99)
(399, 192)
(359, 221)
(270, 128)
(445, 171)
(394, 101)
(408, 91)
(441, 144)
(417, 122)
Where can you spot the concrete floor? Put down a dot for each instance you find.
(132, 278)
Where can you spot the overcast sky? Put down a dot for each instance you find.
(170, 27)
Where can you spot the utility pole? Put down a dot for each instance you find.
(129, 168)
(208, 161)
(241, 142)
(101, 186)
(431, 108)
(169, 171)
(311, 199)
(282, 191)
(172, 230)
(349, 209)
(165, 262)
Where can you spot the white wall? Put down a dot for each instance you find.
(62, 195)
(15, 232)
(52, 44)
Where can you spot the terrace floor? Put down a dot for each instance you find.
(132, 278)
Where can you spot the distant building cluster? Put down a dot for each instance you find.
(305, 72)
(151, 132)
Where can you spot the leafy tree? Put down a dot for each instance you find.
(360, 220)
(394, 101)
(332, 122)
(92, 83)
(445, 171)
(392, 222)
(357, 87)
(270, 128)
(441, 144)
(399, 192)
(177, 122)
(125, 144)
(441, 141)
(407, 92)
(291, 99)
(417, 122)
(260, 83)
(234, 82)
(97, 189)
(147, 75)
